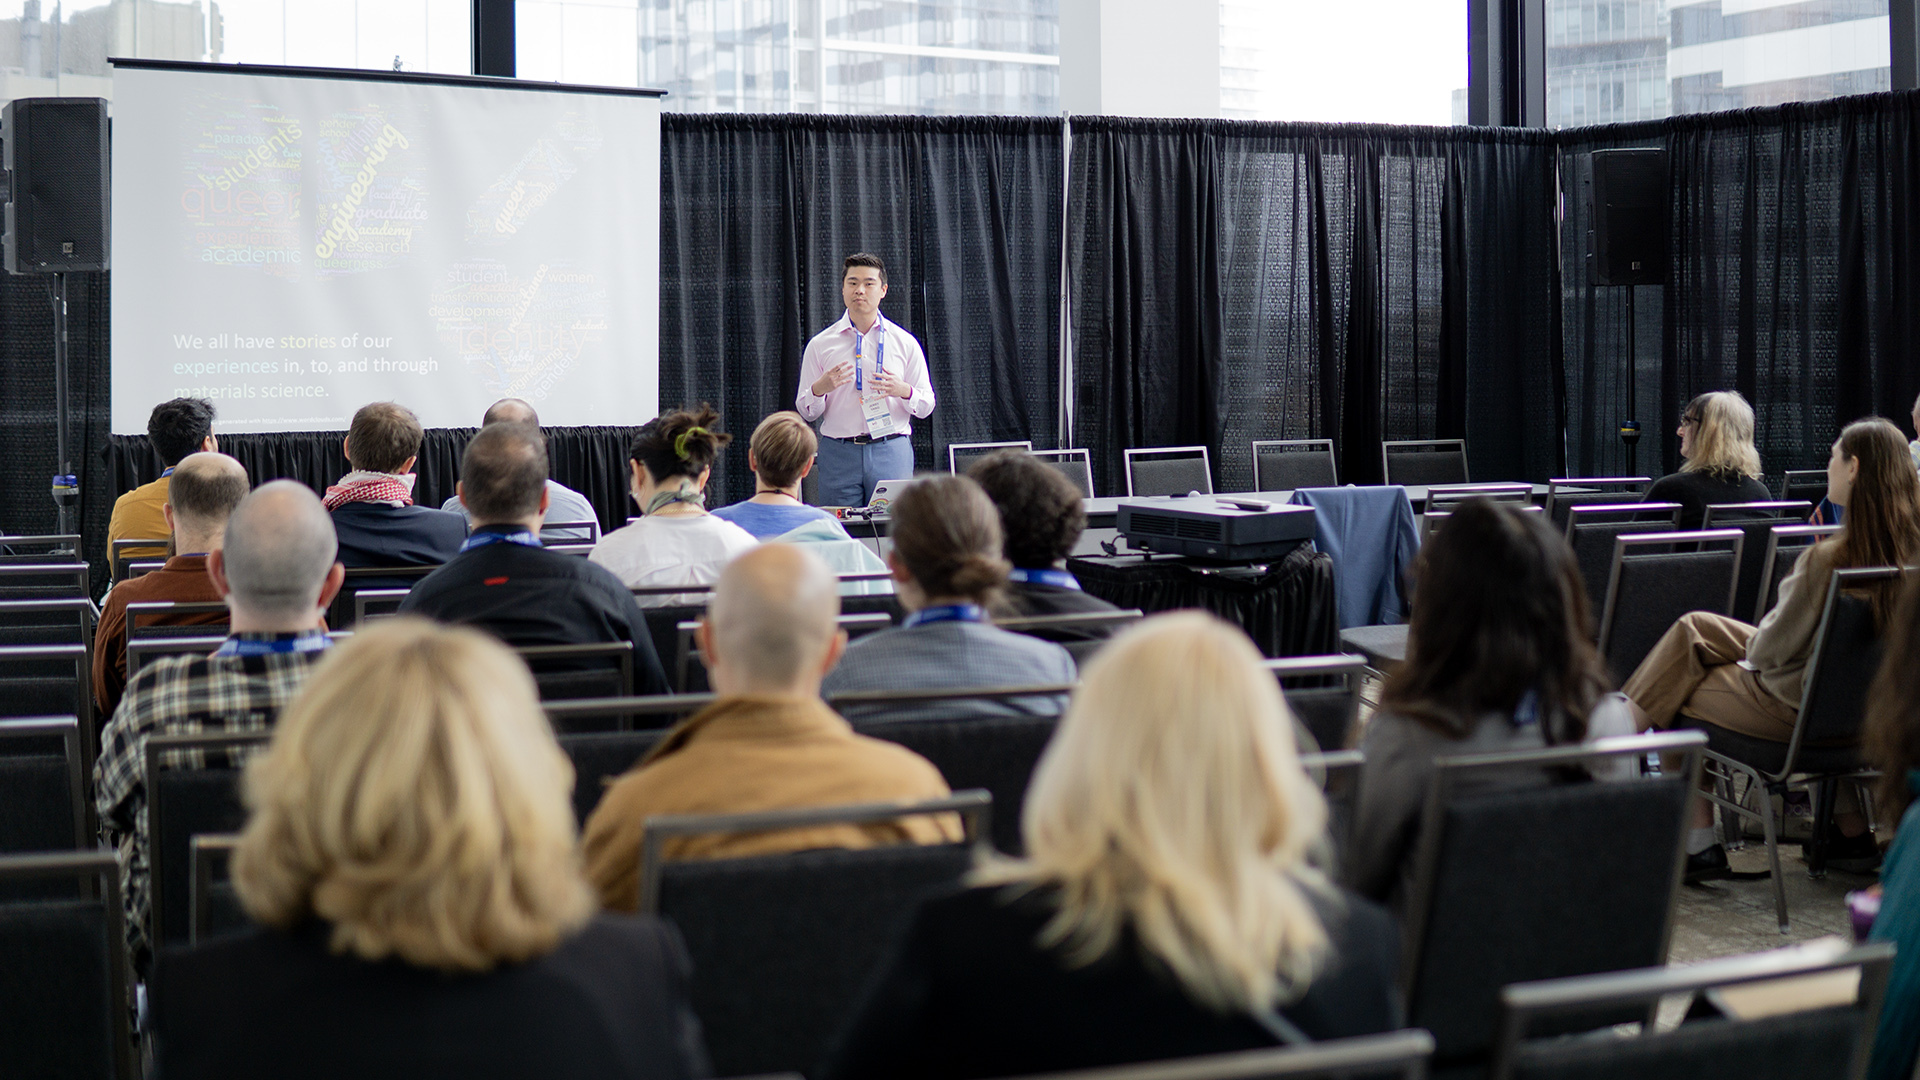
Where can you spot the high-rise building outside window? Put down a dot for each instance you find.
(1378, 62)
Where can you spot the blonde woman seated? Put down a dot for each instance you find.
(675, 542)
(410, 856)
(1721, 464)
(1166, 907)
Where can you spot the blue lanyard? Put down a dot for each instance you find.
(947, 613)
(879, 351)
(1059, 579)
(305, 643)
(523, 537)
(167, 472)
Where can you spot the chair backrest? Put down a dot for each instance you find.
(44, 581)
(214, 907)
(1423, 462)
(1847, 649)
(1324, 694)
(1591, 531)
(961, 456)
(594, 669)
(554, 533)
(1431, 520)
(1783, 548)
(600, 757)
(1445, 497)
(1565, 492)
(691, 678)
(872, 706)
(1757, 520)
(1071, 626)
(1518, 878)
(1804, 485)
(40, 549)
(340, 612)
(51, 680)
(992, 753)
(193, 788)
(64, 1002)
(43, 786)
(61, 621)
(1168, 470)
(652, 712)
(1286, 464)
(122, 552)
(663, 626)
(1658, 577)
(782, 945)
(147, 648)
(1394, 1055)
(1075, 464)
(1830, 1039)
(371, 604)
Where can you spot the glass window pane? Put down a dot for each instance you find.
(1382, 62)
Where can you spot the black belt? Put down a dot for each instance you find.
(862, 440)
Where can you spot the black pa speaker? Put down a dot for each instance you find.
(56, 160)
(1628, 241)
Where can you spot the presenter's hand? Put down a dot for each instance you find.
(887, 383)
(833, 379)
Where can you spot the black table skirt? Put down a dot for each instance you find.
(1288, 611)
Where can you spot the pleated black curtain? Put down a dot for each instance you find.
(27, 442)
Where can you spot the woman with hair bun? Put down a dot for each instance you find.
(675, 542)
(1721, 464)
(947, 570)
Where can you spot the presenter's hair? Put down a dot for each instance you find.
(503, 473)
(947, 534)
(205, 488)
(413, 799)
(782, 445)
(1502, 618)
(510, 411)
(866, 258)
(680, 443)
(383, 436)
(177, 428)
(1171, 802)
(1040, 510)
(1722, 435)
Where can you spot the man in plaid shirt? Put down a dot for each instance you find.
(277, 573)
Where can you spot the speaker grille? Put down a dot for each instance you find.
(56, 154)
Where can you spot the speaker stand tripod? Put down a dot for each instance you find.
(66, 485)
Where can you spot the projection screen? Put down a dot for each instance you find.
(293, 244)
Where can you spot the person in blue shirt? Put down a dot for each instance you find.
(1892, 744)
(780, 455)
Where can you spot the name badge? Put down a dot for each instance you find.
(878, 410)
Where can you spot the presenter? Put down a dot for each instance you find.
(863, 379)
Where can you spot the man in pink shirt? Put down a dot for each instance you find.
(863, 380)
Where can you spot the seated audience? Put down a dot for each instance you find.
(947, 569)
(1892, 738)
(1166, 906)
(565, 504)
(675, 542)
(410, 857)
(1713, 670)
(202, 491)
(372, 506)
(504, 582)
(277, 572)
(1498, 658)
(174, 429)
(780, 455)
(1042, 517)
(768, 743)
(1720, 462)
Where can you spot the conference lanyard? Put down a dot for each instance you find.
(305, 643)
(1059, 579)
(947, 613)
(879, 352)
(523, 537)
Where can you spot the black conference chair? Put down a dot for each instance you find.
(995, 754)
(1757, 520)
(654, 713)
(44, 581)
(961, 456)
(1286, 464)
(690, 666)
(144, 650)
(39, 550)
(375, 604)
(569, 533)
(1591, 531)
(1395, 1055)
(1785, 543)
(1658, 577)
(340, 612)
(782, 945)
(1075, 464)
(1828, 1041)
(214, 908)
(1804, 485)
(1168, 470)
(599, 758)
(64, 1003)
(193, 788)
(163, 618)
(122, 554)
(1566, 492)
(1825, 745)
(51, 680)
(1424, 462)
(1518, 878)
(938, 703)
(1324, 694)
(598, 669)
(1081, 633)
(43, 785)
(66, 621)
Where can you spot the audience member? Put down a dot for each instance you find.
(780, 455)
(504, 582)
(768, 742)
(1712, 670)
(1719, 462)
(1498, 658)
(565, 504)
(276, 570)
(947, 568)
(1042, 517)
(1892, 738)
(675, 542)
(372, 506)
(174, 429)
(410, 857)
(1166, 906)
(202, 491)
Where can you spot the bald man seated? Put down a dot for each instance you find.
(563, 503)
(769, 742)
(202, 490)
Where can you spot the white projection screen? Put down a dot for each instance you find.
(293, 245)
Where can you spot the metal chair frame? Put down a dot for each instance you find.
(82, 657)
(67, 730)
(1779, 509)
(1133, 452)
(1803, 478)
(1307, 446)
(1623, 546)
(954, 450)
(118, 560)
(1814, 534)
(99, 874)
(592, 528)
(87, 616)
(1388, 446)
(619, 651)
(157, 747)
(1058, 458)
(78, 571)
(1638, 485)
(363, 597)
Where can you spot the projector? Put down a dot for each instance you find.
(1224, 530)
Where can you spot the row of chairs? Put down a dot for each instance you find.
(1278, 464)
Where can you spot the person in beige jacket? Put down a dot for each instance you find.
(768, 742)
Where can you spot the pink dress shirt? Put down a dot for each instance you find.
(841, 406)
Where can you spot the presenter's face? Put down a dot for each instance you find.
(862, 290)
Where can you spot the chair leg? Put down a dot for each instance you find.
(1731, 830)
(1823, 799)
(1773, 856)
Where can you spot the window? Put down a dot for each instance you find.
(1383, 62)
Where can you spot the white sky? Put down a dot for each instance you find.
(1382, 61)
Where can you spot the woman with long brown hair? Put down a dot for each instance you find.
(1711, 669)
(1892, 737)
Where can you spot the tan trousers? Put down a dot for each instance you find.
(1692, 672)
